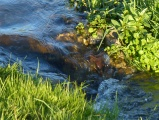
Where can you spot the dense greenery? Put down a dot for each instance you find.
(137, 25)
(23, 96)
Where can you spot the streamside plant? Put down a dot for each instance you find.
(138, 38)
(24, 96)
(136, 23)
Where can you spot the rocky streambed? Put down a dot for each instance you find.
(40, 33)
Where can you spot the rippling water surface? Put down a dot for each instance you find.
(28, 29)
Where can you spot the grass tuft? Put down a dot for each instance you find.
(23, 96)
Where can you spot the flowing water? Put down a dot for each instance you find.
(28, 29)
(28, 32)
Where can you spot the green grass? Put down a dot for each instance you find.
(23, 96)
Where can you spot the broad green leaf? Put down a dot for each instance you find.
(90, 30)
(121, 36)
(103, 21)
(132, 23)
(132, 28)
(143, 42)
(116, 23)
(93, 23)
(146, 60)
(130, 17)
(94, 35)
(131, 47)
(141, 28)
(127, 33)
(143, 12)
(98, 17)
(126, 41)
(126, 19)
(146, 24)
(133, 10)
(136, 35)
(125, 11)
(141, 52)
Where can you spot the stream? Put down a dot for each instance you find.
(40, 34)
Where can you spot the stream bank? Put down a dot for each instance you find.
(42, 32)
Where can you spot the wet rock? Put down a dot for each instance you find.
(31, 62)
(25, 44)
(133, 101)
(67, 37)
(122, 68)
(96, 40)
(99, 62)
(90, 40)
(107, 93)
(112, 38)
(55, 77)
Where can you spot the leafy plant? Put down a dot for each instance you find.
(98, 17)
(92, 28)
(138, 44)
(137, 24)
